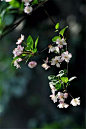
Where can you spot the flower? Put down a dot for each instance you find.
(75, 101)
(62, 105)
(65, 95)
(54, 98)
(57, 49)
(20, 39)
(51, 48)
(61, 42)
(66, 56)
(28, 9)
(60, 96)
(32, 64)
(16, 63)
(53, 89)
(45, 65)
(56, 61)
(18, 51)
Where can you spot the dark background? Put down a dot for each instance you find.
(24, 93)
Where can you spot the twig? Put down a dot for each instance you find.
(49, 16)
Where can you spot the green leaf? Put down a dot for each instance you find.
(30, 42)
(61, 71)
(60, 75)
(34, 2)
(34, 50)
(63, 30)
(64, 79)
(55, 38)
(51, 77)
(57, 26)
(58, 86)
(36, 42)
(72, 78)
(14, 3)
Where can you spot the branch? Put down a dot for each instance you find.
(16, 24)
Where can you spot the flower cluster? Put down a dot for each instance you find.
(18, 54)
(28, 9)
(58, 59)
(60, 97)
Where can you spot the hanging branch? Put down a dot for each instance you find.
(16, 24)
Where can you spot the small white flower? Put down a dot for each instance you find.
(57, 49)
(51, 48)
(62, 105)
(32, 64)
(53, 89)
(66, 56)
(45, 65)
(20, 39)
(56, 61)
(75, 101)
(27, 3)
(65, 95)
(28, 9)
(60, 96)
(54, 98)
(61, 42)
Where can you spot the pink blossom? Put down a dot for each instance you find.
(20, 39)
(16, 63)
(45, 65)
(65, 95)
(18, 51)
(61, 42)
(32, 64)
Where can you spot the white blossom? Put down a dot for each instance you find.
(54, 98)
(62, 105)
(20, 39)
(51, 48)
(32, 64)
(56, 61)
(61, 42)
(53, 89)
(75, 101)
(28, 9)
(45, 65)
(66, 56)
(57, 49)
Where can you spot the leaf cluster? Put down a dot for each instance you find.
(60, 81)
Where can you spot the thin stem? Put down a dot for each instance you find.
(70, 94)
(25, 44)
(16, 24)
(27, 52)
(49, 16)
(67, 63)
